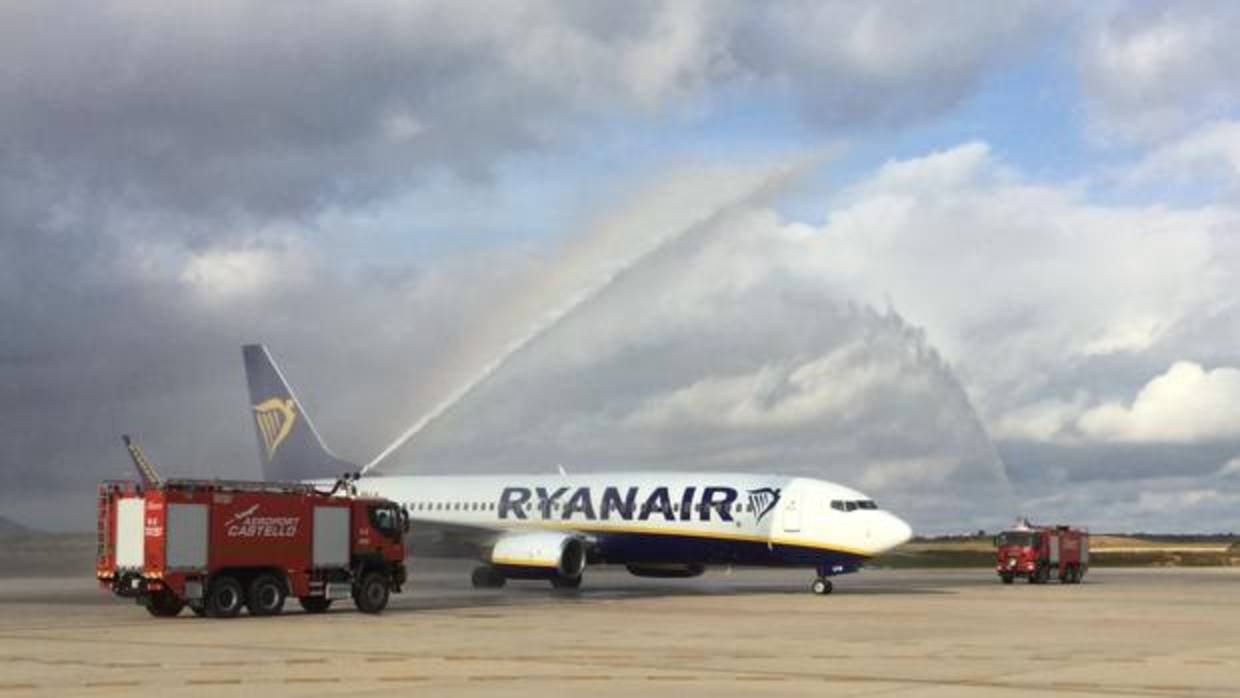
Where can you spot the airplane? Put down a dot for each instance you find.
(551, 527)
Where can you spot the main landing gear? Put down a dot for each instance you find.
(821, 586)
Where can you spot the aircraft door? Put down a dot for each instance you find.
(791, 515)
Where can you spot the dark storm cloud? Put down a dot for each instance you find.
(1046, 462)
(282, 108)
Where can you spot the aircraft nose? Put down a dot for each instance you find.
(892, 531)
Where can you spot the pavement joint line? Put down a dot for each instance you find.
(18, 686)
(213, 682)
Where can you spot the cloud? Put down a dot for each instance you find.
(1210, 154)
(1154, 71)
(1019, 282)
(1231, 468)
(283, 110)
(240, 273)
(1185, 404)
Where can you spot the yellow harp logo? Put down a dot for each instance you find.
(275, 419)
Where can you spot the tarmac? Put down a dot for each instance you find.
(1124, 632)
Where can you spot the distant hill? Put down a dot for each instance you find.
(9, 527)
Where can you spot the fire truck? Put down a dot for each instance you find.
(1039, 552)
(217, 546)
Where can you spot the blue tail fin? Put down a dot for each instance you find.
(289, 446)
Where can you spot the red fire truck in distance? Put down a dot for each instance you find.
(1038, 552)
(217, 546)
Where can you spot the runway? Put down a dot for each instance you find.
(1133, 632)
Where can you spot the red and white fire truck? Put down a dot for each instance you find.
(1039, 552)
(217, 546)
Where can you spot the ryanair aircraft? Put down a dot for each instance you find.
(656, 524)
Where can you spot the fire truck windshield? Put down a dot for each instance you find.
(386, 520)
(1022, 539)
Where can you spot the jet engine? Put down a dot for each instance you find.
(539, 555)
(666, 570)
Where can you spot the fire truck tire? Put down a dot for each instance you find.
(266, 597)
(164, 604)
(224, 599)
(371, 594)
(1006, 577)
(315, 604)
(487, 577)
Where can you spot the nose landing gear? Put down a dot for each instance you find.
(821, 586)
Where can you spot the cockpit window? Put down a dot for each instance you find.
(867, 504)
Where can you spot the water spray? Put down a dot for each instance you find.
(747, 189)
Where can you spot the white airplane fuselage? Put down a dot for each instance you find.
(662, 517)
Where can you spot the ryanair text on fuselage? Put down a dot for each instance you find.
(694, 503)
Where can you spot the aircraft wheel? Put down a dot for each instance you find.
(822, 586)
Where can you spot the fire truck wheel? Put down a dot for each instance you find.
(1006, 577)
(164, 604)
(224, 600)
(266, 597)
(822, 586)
(487, 577)
(371, 594)
(315, 604)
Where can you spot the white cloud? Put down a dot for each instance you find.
(1211, 153)
(1185, 404)
(1230, 469)
(1152, 70)
(773, 397)
(229, 274)
(1015, 281)
(1045, 420)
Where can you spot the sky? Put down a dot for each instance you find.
(977, 260)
